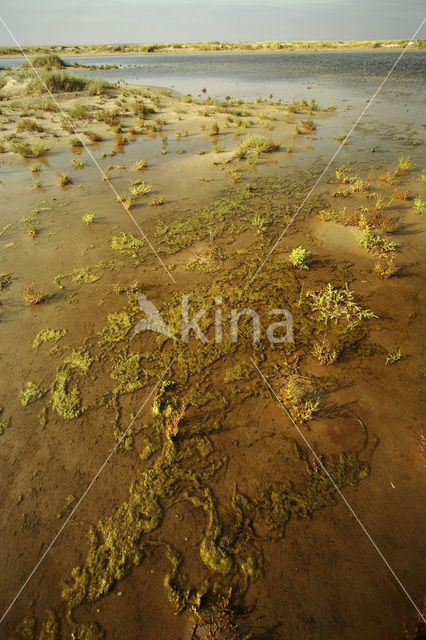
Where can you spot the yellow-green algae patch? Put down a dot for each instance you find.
(85, 275)
(229, 216)
(46, 335)
(89, 631)
(127, 370)
(30, 630)
(80, 359)
(65, 401)
(31, 393)
(280, 502)
(127, 244)
(183, 463)
(240, 371)
(212, 551)
(3, 423)
(118, 328)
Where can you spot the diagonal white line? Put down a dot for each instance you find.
(84, 494)
(95, 162)
(339, 492)
(373, 97)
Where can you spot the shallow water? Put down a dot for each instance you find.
(258, 74)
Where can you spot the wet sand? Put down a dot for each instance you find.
(314, 574)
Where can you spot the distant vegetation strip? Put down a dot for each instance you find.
(188, 47)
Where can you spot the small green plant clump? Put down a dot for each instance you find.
(164, 400)
(29, 150)
(296, 392)
(386, 267)
(93, 136)
(5, 281)
(78, 164)
(374, 243)
(33, 295)
(308, 125)
(76, 143)
(391, 358)
(139, 188)
(405, 164)
(300, 258)
(214, 131)
(333, 303)
(141, 165)
(127, 244)
(31, 225)
(323, 352)
(80, 111)
(157, 202)
(419, 205)
(64, 179)
(259, 144)
(28, 125)
(88, 218)
(259, 223)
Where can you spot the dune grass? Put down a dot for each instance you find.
(63, 82)
(184, 47)
(29, 150)
(47, 61)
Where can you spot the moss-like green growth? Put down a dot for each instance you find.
(26, 630)
(116, 544)
(232, 214)
(30, 630)
(180, 450)
(213, 549)
(147, 448)
(3, 426)
(65, 401)
(5, 280)
(43, 418)
(127, 369)
(164, 402)
(127, 244)
(280, 502)
(31, 393)
(118, 328)
(50, 628)
(240, 371)
(89, 631)
(176, 599)
(84, 275)
(3, 423)
(80, 359)
(45, 335)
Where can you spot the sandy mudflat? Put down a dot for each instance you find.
(212, 494)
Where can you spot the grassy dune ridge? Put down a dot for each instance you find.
(193, 47)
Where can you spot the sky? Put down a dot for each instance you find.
(142, 21)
